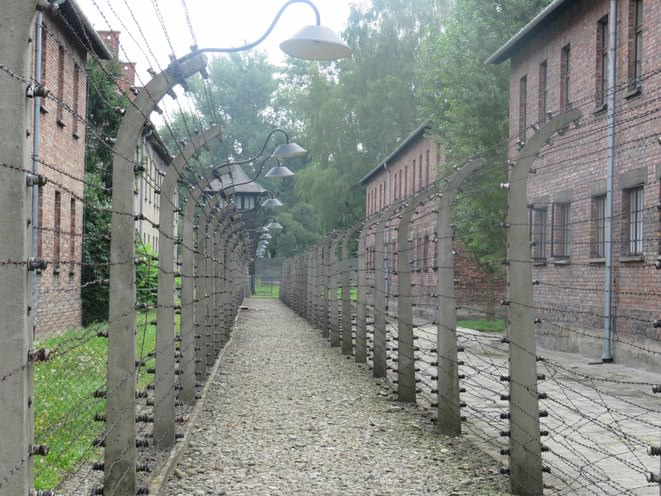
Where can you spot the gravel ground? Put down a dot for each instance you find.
(286, 414)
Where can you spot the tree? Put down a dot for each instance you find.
(355, 111)
(104, 116)
(468, 102)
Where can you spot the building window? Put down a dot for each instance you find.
(383, 196)
(425, 184)
(523, 107)
(420, 173)
(565, 76)
(633, 220)
(406, 180)
(72, 236)
(538, 234)
(413, 177)
(57, 227)
(400, 185)
(40, 230)
(60, 87)
(598, 237)
(602, 61)
(636, 43)
(76, 85)
(44, 58)
(543, 93)
(560, 231)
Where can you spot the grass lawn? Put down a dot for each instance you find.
(497, 325)
(267, 290)
(63, 402)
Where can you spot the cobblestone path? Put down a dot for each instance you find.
(286, 414)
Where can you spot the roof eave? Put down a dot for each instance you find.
(91, 40)
(505, 52)
(382, 165)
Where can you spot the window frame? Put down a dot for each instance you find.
(560, 231)
(565, 76)
(538, 234)
(633, 217)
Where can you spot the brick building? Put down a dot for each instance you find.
(409, 170)
(558, 61)
(67, 40)
(152, 155)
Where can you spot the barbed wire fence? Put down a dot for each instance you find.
(102, 358)
(559, 428)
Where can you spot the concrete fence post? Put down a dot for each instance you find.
(16, 370)
(449, 410)
(525, 445)
(347, 331)
(405, 352)
(379, 356)
(120, 450)
(320, 320)
(164, 391)
(333, 289)
(361, 304)
(312, 285)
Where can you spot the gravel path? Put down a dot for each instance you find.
(286, 414)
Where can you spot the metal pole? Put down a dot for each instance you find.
(607, 355)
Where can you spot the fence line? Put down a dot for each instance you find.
(560, 430)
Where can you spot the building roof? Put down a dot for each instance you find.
(414, 136)
(541, 20)
(237, 176)
(83, 30)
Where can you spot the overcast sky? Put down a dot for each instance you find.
(215, 23)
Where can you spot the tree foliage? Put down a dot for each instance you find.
(104, 103)
(468, 102)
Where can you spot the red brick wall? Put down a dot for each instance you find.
(574, 167)
(62, 156)
(471, 282)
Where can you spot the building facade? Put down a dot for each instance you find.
(560, 61)
(67, 40)
(412, 168)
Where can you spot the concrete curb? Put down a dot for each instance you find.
(159, 481)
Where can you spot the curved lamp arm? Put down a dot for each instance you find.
(196, 51)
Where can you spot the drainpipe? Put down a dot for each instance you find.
(36, 145)
(607, 355)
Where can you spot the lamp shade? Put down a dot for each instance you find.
(288, 150)
(272, 202)
(279, 171)
(265, 236)
(316, 43)
(274, 225)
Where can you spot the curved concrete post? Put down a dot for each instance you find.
(525, 445)
(347, 335)
(406, 385)
(310, 262)
(449, 411)
(120, 450)
(333, 286)
(164, 391)
(361, 304)
(320, 290)
(379, 356)
(16, 370)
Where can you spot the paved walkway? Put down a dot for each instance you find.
(287, 415)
